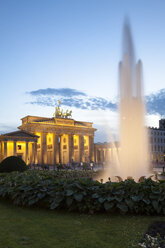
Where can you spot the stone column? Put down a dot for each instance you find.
(91, 148)
(27, 153)
(101, 155)
(104, 154)
(5, 149)
(35, 153)
(81, 147)
(44, 148)
(15, 149)
(60, 148)
(56, 148)
(71, 147)
(96, 154)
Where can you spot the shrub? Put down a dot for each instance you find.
(65, 174)
(12, 163)
(83, 194)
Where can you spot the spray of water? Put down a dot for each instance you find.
(133, 156)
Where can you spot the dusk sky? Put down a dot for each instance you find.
(70, 50)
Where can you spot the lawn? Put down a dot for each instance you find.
(40, 228)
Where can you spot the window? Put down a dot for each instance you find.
(19, 147)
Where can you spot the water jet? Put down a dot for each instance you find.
(134, 150)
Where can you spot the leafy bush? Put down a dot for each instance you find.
(64, 174)
(83, 194)
(12, 163)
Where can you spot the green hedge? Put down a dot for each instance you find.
(13, 163)
(67, 174)
(83, 195)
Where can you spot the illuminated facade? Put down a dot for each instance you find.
(50, 141)
(20, 143)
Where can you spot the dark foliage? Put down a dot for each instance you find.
(12, 163)
(83, 194)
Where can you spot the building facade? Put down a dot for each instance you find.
(51, 141)
(157, 142)
(106, 152)
(20, 143)
(59, 139)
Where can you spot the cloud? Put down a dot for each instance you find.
(70, 98)
(73, 98)
(59, 92)
(156, 103)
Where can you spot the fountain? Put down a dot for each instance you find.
(133, 156)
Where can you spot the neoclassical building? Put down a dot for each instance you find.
(50, 141)
(106, 152)
(157, 142)
(19, 143)
(61, 139)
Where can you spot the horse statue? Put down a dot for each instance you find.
(69, 114)
(59, 112)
